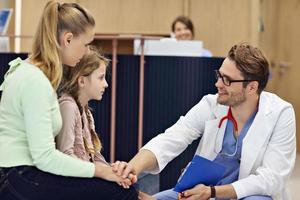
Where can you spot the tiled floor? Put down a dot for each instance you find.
(294, 182)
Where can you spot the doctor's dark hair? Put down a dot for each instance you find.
(251, 62)
(186, 21)
(55, 20)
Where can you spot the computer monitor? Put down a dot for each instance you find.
(169, 47)
(5, 15)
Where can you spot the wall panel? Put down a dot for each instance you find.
(133, 16)
(286, 80)
(220, 24)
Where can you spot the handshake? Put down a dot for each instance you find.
(120, 172)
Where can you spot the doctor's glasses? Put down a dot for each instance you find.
(226, 80)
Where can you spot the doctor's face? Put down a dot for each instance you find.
(233, 94)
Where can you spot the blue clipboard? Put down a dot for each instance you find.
(200, 171)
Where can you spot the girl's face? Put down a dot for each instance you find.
(95, 84)
(74, 48)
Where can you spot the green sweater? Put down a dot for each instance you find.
(29, 121)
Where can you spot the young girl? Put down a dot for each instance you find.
(30, 165)
(85, 82)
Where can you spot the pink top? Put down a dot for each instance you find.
(74, 139)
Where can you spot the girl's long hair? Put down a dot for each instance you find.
(69, 85)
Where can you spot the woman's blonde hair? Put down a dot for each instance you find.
(56, 19)
(69, 85)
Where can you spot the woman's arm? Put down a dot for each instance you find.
(41, 118)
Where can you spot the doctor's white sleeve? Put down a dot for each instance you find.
(168, 145)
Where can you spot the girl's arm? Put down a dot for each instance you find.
(66, 137)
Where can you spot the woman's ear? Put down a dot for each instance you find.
(66, 38)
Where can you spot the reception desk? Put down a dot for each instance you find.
(172, 85)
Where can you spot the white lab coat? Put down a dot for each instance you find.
(268, 152)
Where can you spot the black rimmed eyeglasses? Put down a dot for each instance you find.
(226, 80)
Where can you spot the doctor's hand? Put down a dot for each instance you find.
(124, 170)
(199, 192)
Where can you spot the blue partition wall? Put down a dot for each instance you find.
(5, 58)
(172, 86)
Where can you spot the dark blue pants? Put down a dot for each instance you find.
(29, 183)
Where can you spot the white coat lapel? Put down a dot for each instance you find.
(258, 133)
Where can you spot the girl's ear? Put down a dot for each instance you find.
(81, 81)
(66, 38)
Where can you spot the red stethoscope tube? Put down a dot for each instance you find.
(229, 117)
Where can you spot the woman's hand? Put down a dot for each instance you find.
(105, 172)
(125, 170)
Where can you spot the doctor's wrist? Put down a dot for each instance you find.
(212, 191)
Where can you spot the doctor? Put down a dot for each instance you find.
(249, 131)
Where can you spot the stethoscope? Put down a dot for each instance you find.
(230, 117)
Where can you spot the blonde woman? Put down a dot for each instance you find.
(30, 165)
